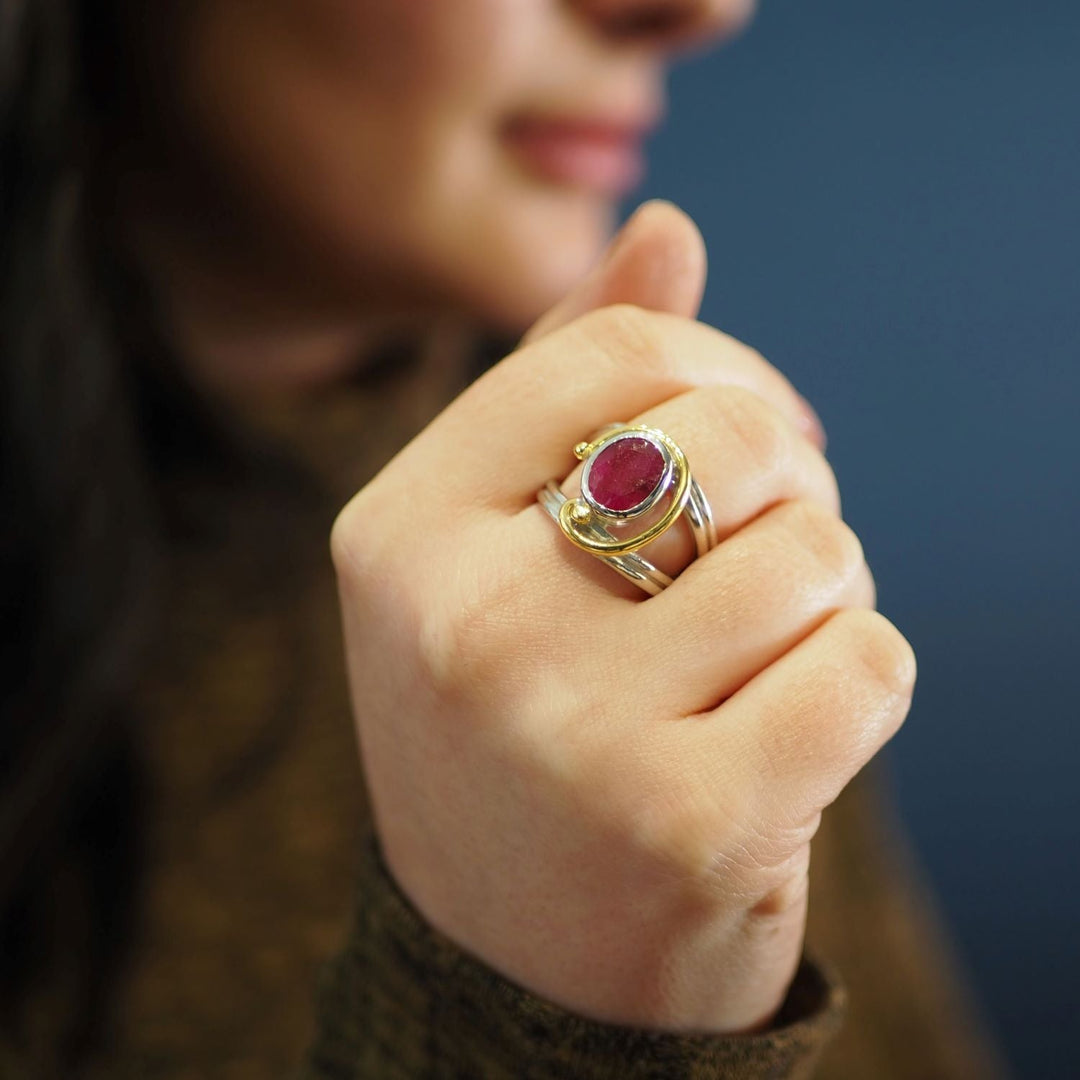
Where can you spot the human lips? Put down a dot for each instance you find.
(598, 153)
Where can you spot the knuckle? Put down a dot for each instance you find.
(449, 645)
(674, 837)
(867, 589)
(829, 539)
(339, 540)
(771, 444)
(362, 546)
(629, 336)
(755, 356)
(780, 387)
(768, 371)
(450, 663)
(757, 425)
(883, 654)
(789, 889)
(830, 486)
(471, 628)
(697, 837)
(744, 586)
(679, 825)
(435, 610)
(442, 637)
(351, 544)
(660, 813)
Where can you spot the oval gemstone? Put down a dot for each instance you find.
(625, 473)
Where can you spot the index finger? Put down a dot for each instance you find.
(515, 427)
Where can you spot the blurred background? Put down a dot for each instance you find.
(890, 192)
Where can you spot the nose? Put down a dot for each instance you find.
(665, 23)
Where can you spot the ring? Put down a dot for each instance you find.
(629, 471)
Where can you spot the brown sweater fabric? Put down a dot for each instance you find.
(275, 942)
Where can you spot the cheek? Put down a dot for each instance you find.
(414, 50)
(473, 228)
(510, 256)
(367, 131)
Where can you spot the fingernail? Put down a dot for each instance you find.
(810, 424)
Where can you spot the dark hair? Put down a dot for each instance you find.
(100, 436)
(92, 415)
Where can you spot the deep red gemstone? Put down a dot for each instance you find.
(625, 473)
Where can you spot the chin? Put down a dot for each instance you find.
(528, 257)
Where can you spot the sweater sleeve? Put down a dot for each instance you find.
(401, 1001)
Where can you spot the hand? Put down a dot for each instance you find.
(607, 797)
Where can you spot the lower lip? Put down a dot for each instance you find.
(603, 160)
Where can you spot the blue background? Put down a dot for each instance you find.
(890, 193)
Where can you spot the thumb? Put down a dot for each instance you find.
(656, 260)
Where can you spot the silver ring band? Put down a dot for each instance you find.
(631, 565)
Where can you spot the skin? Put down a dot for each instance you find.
(330, 166)
(607, 798)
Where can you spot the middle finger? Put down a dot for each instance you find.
(745, 455)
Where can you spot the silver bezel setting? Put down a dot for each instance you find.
(654, 496)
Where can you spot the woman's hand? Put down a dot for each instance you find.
(608, 797)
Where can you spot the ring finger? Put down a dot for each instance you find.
(745, 455)
(745, 604)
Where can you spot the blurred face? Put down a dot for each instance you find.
(433, 153)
